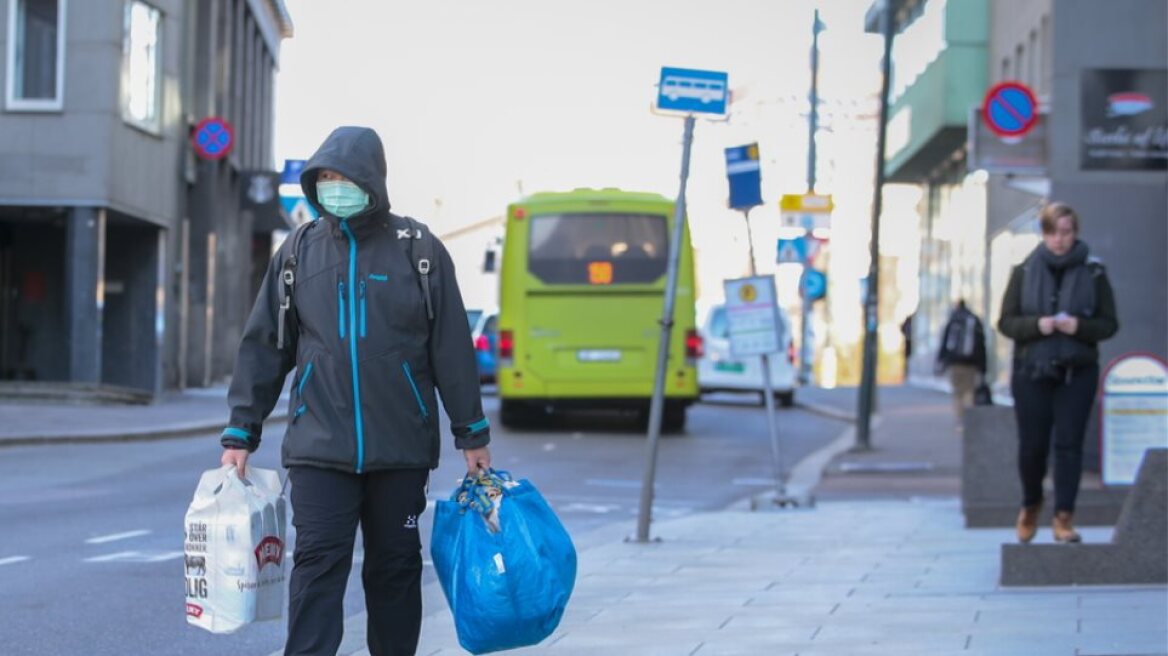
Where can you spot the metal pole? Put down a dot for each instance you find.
(871, 302)
(644, 516)
(769, 396)
(806, 352)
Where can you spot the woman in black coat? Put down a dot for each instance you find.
(1058, 305)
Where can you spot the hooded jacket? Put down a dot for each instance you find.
(369, 362)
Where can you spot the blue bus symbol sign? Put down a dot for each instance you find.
(693, 91)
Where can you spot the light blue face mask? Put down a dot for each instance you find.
(341, 198)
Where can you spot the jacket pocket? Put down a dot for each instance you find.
(417, 394)
(301, 401)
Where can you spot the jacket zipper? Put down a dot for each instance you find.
(362, 309)
(341, 308)
(358, 420)
(300, 392)
(417, 394)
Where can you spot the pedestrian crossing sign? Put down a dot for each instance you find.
(792, 251)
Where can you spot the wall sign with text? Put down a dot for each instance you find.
(1125, 119)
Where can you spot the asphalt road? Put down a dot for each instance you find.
(91, 535)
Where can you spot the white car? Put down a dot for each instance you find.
(719, 371)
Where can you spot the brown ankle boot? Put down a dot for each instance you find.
(1027, 524)
(1063, 529)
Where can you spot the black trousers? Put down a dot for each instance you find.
(1053, 411)
(327, 505)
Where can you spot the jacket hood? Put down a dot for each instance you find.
(357, 154)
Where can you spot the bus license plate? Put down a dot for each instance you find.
(596, 355)
(732, 367)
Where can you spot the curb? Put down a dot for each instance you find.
(174, 431)
(826, 411)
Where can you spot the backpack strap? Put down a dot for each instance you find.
(422, 257)
(288, 285)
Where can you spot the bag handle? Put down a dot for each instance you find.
(474, 490)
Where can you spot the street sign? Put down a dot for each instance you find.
(693, 91)
(792, 251)
(291, 172)
(298, 208)
(752, 314)
(813, 285)
(744, 172)
(806, 211)
(1010, 109)
(1134, 414)
(1024, 155)
(213, 138)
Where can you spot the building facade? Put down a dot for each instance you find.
(121, 249)
(978, 214)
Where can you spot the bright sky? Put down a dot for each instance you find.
(479, 102)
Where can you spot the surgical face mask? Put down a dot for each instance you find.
(341, 198)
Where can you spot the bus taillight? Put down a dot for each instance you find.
(506, 347)
(693, 344)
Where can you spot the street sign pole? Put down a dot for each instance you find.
(867, 400)
(806, 352)
(768, 387)
(644, 516)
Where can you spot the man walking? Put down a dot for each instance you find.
(963, 354)
(365, 305)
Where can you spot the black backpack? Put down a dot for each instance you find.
(422, 257)
(961, 337)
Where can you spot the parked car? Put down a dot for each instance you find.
(484, 334)
(719, 371)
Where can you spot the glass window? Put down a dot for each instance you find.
(582, 249)
(140, 64)
(36, 40)
(719, 325)
(472, 318)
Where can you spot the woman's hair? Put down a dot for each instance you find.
(1052, 212)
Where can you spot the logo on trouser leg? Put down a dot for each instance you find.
(411, 522)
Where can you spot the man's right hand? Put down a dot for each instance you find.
(235, 457)
(1046, 325)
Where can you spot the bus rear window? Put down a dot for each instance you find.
(598, 249)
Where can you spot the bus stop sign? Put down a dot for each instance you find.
(693, 91)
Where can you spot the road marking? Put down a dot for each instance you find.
(136, 557)
(117, 536)
(612, 482)
(12, 560)
(750, 482)
(596, 508)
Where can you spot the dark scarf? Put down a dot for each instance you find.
(1052, 284)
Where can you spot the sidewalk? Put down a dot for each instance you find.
(881, 565)
(174, 414)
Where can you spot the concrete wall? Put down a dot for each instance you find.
(87, 154)
(1124, 213)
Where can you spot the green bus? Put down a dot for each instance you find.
(582, 288)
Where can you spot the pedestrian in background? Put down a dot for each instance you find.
(372, 332)
(906, 329)
(1057, 307)
(963, 355)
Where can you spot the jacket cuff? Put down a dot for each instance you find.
(237, 438)
(474, 435)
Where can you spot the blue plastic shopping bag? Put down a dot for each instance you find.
(505, 562)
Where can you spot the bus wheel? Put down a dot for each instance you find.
(673, 420)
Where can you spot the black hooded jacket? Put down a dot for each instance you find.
(369, 362)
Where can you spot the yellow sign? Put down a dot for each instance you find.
(600, 273)
(747, 293)
(807, 203)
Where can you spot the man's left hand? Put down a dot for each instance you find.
(477, 460)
